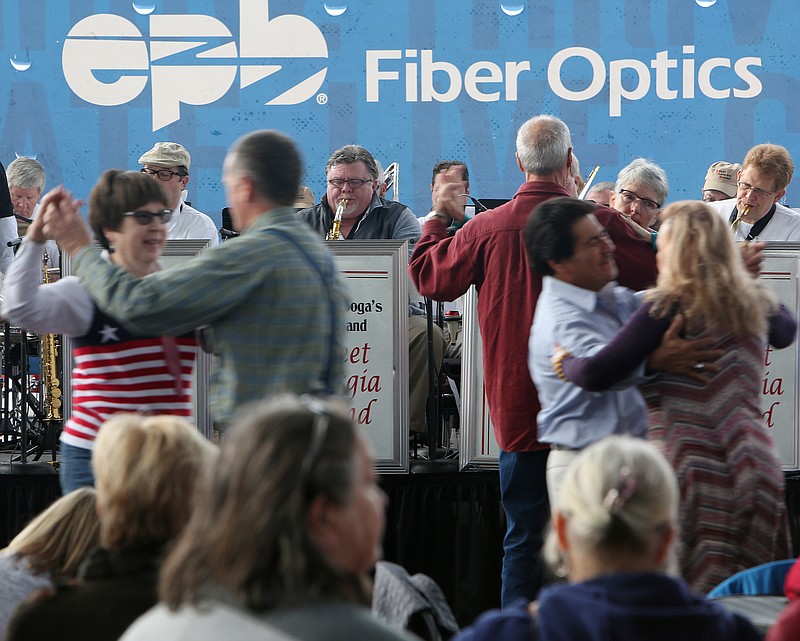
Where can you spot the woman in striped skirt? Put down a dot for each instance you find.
(709, 425)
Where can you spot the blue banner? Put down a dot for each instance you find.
(93, 84)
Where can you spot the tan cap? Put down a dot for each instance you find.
(166, 154)
(304, 198)
(721, 176)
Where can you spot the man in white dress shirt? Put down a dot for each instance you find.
(755, 213)
(168, 162)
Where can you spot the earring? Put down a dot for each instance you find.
(560, 569)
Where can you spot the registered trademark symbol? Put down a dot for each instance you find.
(322, 98)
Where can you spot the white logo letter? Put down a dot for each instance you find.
(288, 36)
(598, 73)
(375, 75)
(615, 89)
(429, 67)
(84, 53)
(188, 84)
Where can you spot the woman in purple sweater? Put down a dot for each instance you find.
(732, 513)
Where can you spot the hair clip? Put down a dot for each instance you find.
(616, 497)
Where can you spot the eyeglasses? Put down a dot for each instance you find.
(629, 197)
(163, 174)
(354, 183)
(144, 217)
(760, 193)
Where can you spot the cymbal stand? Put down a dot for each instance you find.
(32, 409)
(25, 429)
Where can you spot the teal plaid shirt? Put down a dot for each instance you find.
(273, 299)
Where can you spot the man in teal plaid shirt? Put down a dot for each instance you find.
(272, 299)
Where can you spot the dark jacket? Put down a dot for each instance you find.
(114, 589)
(383, 219)
(630, 606)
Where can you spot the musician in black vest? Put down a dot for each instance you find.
(352, 175)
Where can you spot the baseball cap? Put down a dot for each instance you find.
(721, 176)
(166, 154)
(304, 198)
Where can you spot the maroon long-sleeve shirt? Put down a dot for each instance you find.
(489, 252)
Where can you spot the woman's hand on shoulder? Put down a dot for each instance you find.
(751, 255)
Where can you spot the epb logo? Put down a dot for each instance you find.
(193, 59)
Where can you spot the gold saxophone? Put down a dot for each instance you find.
(335, 232)
(49, 356)
(740, 217)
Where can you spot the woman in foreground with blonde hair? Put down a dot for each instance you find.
(733, 513)
(49, 550)
(145, 468)
(612, 535)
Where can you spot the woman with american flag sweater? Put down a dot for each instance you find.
(116, 368)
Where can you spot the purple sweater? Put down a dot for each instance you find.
(638, 338)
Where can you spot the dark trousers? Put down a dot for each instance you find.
(76, 468)
(523, 491)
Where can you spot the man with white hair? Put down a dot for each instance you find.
(168, 162)
(26, 181)
(489, 252)
(600, 193)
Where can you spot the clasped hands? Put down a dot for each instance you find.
(694, 358)
(59, 219)
(449, 202)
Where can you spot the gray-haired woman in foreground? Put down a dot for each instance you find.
(612, 535)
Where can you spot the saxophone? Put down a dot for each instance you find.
(335, 232)
(49, 355)
(740, 217)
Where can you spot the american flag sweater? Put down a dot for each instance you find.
(117, 371)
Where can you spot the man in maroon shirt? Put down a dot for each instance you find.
(489, 253)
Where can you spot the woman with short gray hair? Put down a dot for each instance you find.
(640, 192)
